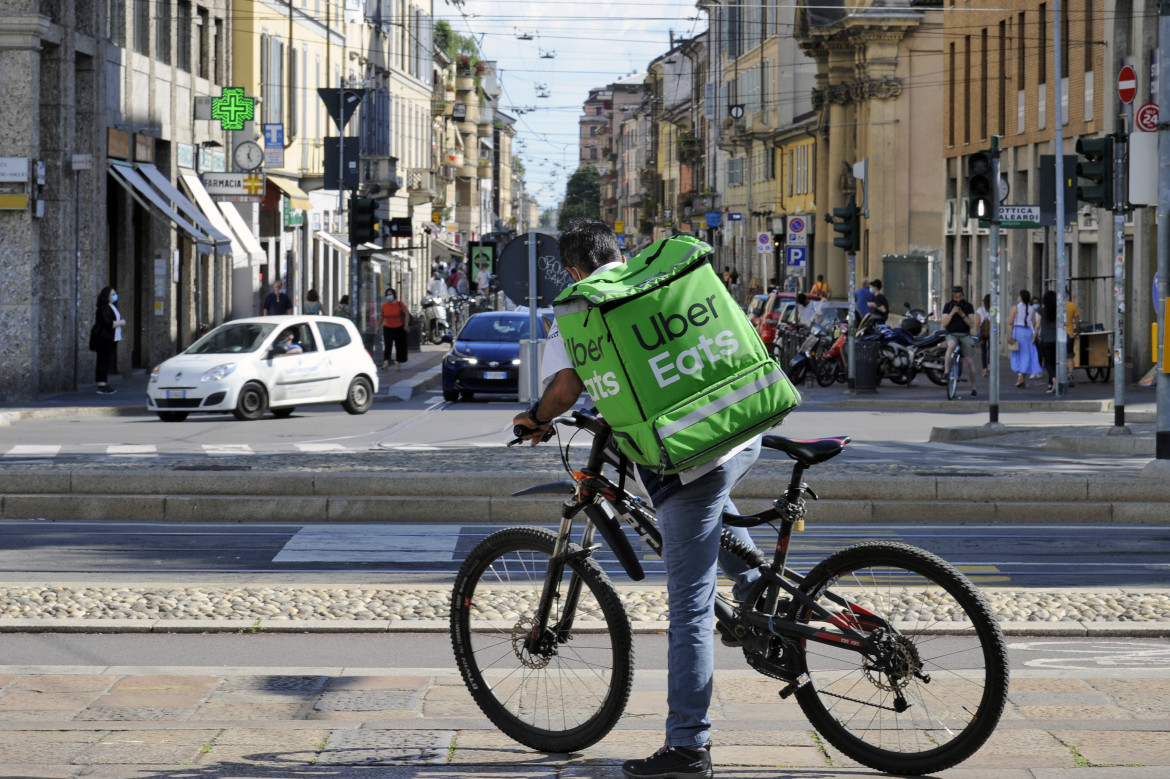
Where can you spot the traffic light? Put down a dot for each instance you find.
(362, 220)
(847, 222)
(979, 186)
(1097, 167)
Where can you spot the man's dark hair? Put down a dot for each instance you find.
(801, 299)
(587, 245)
(876, 284)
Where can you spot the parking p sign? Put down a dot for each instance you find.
(795, 256)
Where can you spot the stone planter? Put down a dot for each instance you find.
(464, 83)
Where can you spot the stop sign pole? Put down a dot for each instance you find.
(1126, 92)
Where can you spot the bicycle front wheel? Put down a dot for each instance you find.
(953, 377)
(935, 690)
(571, 692)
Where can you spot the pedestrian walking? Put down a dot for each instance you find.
(312, 302)
(342, 307)
(104, 337)
(393, 319)
(1048, 338)
(277, 303)
(1025, 357)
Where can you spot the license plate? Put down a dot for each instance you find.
(495, 375)
(176, 394)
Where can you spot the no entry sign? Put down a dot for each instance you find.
(1127, 84)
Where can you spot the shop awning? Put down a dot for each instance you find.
(150, 199)
(191, 183)
(297, 197)
(333, 241)
(185, 206)
(243, 232)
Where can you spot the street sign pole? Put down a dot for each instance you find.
(1162, 434)
(993, 347)
(1120, 189)
(1061, 382)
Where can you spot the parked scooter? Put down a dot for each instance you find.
(809, 355)
(435, 324)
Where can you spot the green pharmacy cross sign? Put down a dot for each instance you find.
(233, 108)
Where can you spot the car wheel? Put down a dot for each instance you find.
(252, 402)
(360, 396)
(467, 395)
(172, 416)
(281, 413)
(450, 395)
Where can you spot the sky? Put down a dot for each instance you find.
(595, 44)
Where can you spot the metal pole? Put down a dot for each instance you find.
(852, 324)
(76, 272)
(993, 347)
(1120, 190)
(533, 387)
(1162, 435)
(1061, 258)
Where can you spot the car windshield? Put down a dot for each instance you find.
(495, 328)
(233, 339)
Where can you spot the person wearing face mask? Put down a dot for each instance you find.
(393, 320)
(104, 337)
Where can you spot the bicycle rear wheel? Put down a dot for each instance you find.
(570, 693)
(945, 657)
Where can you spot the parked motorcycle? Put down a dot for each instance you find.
(810, 354)
(832, 367)
(435, 324)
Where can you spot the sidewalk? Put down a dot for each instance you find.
(104, 722)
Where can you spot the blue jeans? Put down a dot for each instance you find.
(690, 521)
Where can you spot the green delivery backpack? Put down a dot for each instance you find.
(671, 361)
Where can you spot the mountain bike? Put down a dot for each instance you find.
(892, 654)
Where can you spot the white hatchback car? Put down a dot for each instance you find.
(242, 367)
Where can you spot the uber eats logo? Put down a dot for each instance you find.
(599, 385)
(664, 329)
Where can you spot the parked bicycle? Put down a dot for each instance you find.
(892, 654)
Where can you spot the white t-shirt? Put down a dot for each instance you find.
(117, 330)
(556, 359)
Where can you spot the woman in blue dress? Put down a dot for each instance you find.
(1025, 331)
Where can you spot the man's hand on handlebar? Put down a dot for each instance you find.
(525, 429)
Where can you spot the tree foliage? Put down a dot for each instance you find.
(582, 196)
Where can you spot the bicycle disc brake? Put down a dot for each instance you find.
(521, 632)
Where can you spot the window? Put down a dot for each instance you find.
(142, 26)
(1042, 40)
(204, 46)
(333, 336)
(966, 89)
(950, 98)
(183, 35)
(271, 80)
(162, 30)
(735, 172)
(984, 81)
(116, 22)
(218, 57)
(293, 126)
(1001, 82)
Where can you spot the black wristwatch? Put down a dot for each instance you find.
(532, 415)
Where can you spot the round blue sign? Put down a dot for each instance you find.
(795, 225)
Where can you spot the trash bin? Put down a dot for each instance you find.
(373, 344)
(865, 366)
(414, 334)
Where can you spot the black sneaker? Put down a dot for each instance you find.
(672, 763)
(106, 390)
(974, 394)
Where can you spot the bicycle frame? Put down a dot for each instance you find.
(603, 502)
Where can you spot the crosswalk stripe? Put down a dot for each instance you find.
(132, 450)
(321, 447)
(226, 449)
(33, 450)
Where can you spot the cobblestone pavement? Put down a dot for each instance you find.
(205, 723)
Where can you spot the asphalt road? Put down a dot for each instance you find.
(993, 555)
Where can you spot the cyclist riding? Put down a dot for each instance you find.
(958, 320)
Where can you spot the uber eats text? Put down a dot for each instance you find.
(661, 330)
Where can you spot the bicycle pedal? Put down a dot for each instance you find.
(792, 687)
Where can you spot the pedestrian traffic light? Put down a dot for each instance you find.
(1097, 167)
(979, 186)
(362, 220)
(847, 222)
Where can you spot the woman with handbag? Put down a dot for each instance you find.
(1025, 332)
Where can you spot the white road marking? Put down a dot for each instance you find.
(33, 450)
(363, 543)
(321, 448)
(1099, 653)
(226, 449)
(132, 450)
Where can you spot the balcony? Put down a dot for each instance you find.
(689, 150)
(382, 171)
(442, 107)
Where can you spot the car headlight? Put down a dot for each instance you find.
(154, 375)
(455, 358)
(219, 372)
(516, 361)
